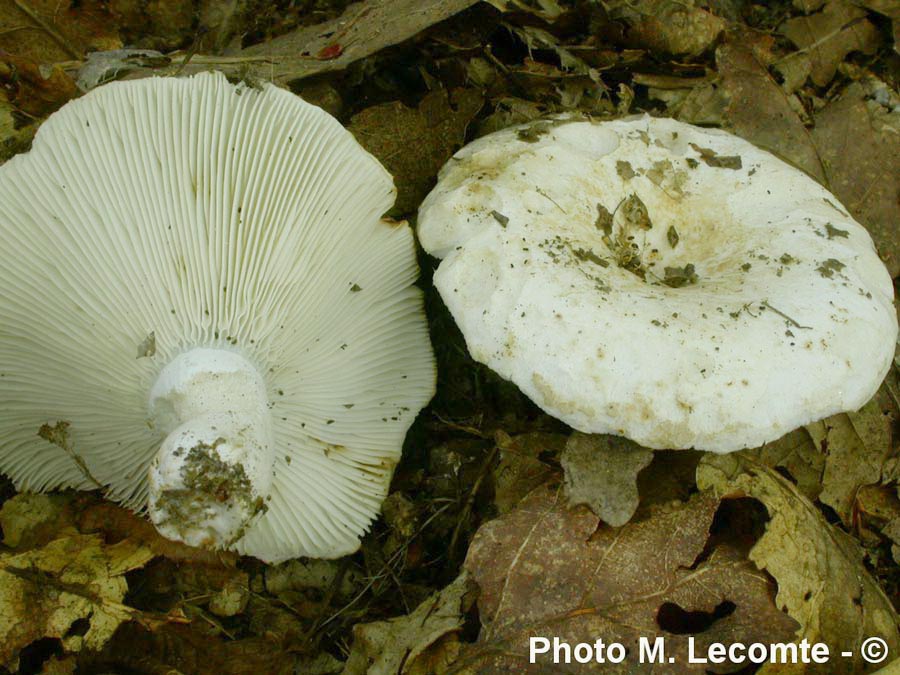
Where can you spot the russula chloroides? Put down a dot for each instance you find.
(656, 280)
(207, 315)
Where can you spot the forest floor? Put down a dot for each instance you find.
(799, 538)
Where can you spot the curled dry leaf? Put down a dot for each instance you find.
(827, 37)
(601, 472)
(392, 647)
(797, 454)
(822, 582)
(680, 28)
(856, 446)
(44, 591)
(547, 569)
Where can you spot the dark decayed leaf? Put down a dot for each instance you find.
(413, 143)
(520, 468)
(546, 569)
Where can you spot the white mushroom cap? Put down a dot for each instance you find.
(556, 238)
(218, 229)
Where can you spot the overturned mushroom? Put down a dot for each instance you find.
(204, 314)
(659, 281)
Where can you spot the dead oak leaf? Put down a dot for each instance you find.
(414, 143)
(862, 165)
(546, 569)
(601, 472)
(822, 582)
(798, 455)
(43, 592)
(759, 111)
(827, 37)
(855, 446)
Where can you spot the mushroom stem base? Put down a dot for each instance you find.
(213, 471)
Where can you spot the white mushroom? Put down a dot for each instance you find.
(231, 239)
(652, 279)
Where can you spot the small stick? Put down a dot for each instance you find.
(765, 303)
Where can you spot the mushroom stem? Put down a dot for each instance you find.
(213, 471)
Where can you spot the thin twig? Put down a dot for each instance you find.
(765, 303)
(470, 500)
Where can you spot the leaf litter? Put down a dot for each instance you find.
(435, 587)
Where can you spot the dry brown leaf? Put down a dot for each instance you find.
(48, 31)
(827, 37)
(392, 647)
(855, 446)
(797, 454)
(414, 143)
(35, 91)
(846, 151)
(862, 163)
(155, 24)
(520, 468)
(363, 29)
(670, 27)
(546, 569)
(760, 111)
(890, 9)
(76, 577)
(601, 473)
(822, 582)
